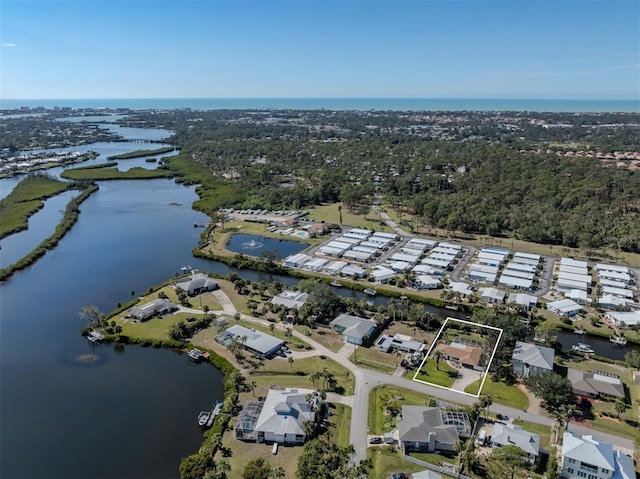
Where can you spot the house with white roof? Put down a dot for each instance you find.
(252, 340)
(158, 306)
(296, 260)
(400, 342)
(279, 418)
(584, 457)
(381, 274)
(564, 307)
(623, 319)
(531, 359)
(609, 301)
(290, 299)
(352, 270)
(523, 299)
(354, 328)
(512, 435)
(493, 295)
(425, 281)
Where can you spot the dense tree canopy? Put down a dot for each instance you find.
(553, 389)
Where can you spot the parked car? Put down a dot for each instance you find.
(375, 440)
(286, 349)
(398, 475)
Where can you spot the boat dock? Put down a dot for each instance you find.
(196, 355)
(216, 410)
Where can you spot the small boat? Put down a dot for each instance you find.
(582, 348)
(370, 292)
(539, 339)
(186, 268)
(95, 336)
(453, 307)
(195, 354)
(336, 283)
(618, 340)
(578, 330)
(203, 417)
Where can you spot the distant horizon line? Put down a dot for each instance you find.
(324, 98)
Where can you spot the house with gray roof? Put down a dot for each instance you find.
(250, 339)
(530, 359)
(596, 383)
(354, 328)
(586, 457)
(400, 342)
(158, 306)
(279, 418)
(512, 435)
(290, 299)
(430, 429)
(196, 284)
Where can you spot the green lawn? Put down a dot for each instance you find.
(135, 173)
(156, 328)
(379, 421)
(340, 424)
(444, 375)
(435, 459)
(278, 372)
(387, 460)
(330, 214)
(373, 358)
(501, 393)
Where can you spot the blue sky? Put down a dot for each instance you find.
(318, 48)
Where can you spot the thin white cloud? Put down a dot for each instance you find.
(8, 45)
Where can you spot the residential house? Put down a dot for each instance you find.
(279, 418)
(530, 359)
(398, 342)
(158, 306)
(354, 329)
(596, 383)
(252, 340)
(463, 354)
(290, 299)
(584, 457)
(430, 429)
(196, 284)
(512, 435)
(565, 307)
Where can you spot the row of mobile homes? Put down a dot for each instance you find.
(565, 307)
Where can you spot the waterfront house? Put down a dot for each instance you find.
(585, 457)
(399, 342)
(530, 359)
(196, 284)
(279, 418)
(157, 307)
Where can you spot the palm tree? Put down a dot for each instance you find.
(308, 427)
(485, 403)
(272, 327)
(290, 359)
(620, 407)
(438, 356)
(278, 472)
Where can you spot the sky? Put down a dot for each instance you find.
(577, 49)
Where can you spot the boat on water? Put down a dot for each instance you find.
(582, 348)
(336, 283)
(195, 354)
(203, 418)
(579, 331)
(618, 340)
(186, 269)
(95, 336)
(453, 307)
(539, 339)
(370, 292)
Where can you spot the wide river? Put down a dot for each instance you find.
(131, 412)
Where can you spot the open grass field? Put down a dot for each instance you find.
(327, 337)
(331, 214)
(379, 421)
(388, 460)
(278, 372)
(373, 358)
(501, 393)
(340, 424)
(243, 452)
(443, 376)
(156, 328)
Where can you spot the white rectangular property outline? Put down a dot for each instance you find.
(484, 377)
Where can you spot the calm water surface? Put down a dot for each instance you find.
(128, 414)
(254, 245)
